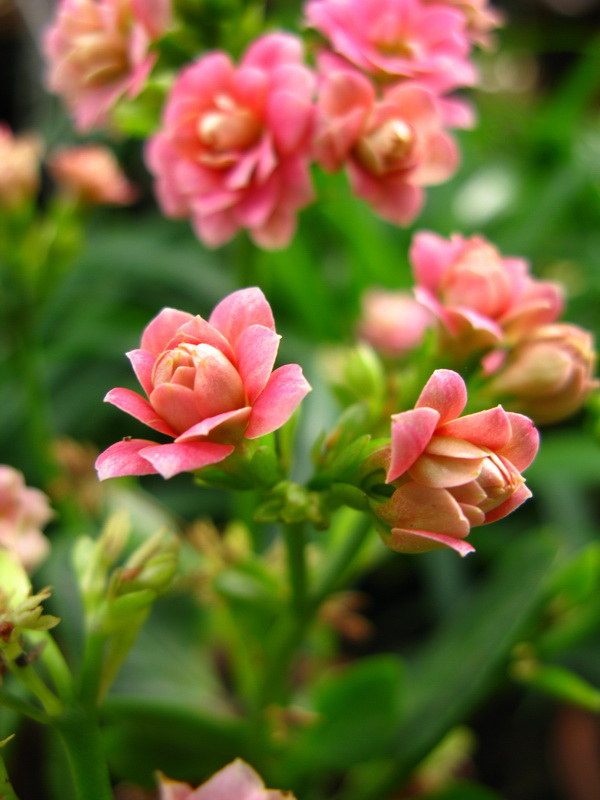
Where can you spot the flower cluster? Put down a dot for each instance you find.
(489, 310)
(237, 779)
(20, 158)
(24, 511)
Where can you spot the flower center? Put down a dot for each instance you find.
(387, 148)
(227, 129)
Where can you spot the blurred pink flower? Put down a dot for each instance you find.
(480, 297)
(23, 513)
(393, 322)
(234, 147)
(209, 385)
(91, 174)
(391, 148)
(481, 18)
(396, 40)
(452, 473)
(19, 167)
(548, 375)
(236, 781)
(99, 50)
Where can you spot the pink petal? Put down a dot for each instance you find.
(408, 541)
(285, 389)
(490, 428)
(524, 442)
(199, 331)
(446, 392)
(215, 229)
(223, 428)
(272, 51)
(143, 365)
(123, 458)
(132, 403)
(176, 404)
(514, 501)
(411, 433)
(162, 329)
(439, 472)
(430, 256)
(256, 352)
(277, 232)
(237, 780)
(171, 459)
(239, 310)
(416, 507)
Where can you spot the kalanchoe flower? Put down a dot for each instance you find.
(99, 50)
(452, 473)
(480, 297)
(91, 175)
(481, 18)
(24, 511)
(391, 147)
(233, 149)
(237, 780)
(548, 375)
(209, 385)
(396, 40)
(394, 323)
(19, 167)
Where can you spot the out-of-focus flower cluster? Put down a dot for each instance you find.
(235, 143)
(237, 779)
(24, 511)
(492, 317)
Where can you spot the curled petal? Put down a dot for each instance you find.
(446, 392)
(162, 329)
(411, 433)
(143, 364)
(256, 351)
(409, 541)
(226, 427)
(514, 501)
(524, 442)
(442, 472)
(490, 428)
(284, 391)
(171, 459)
(422, 508)
(239, 310)
(124, 458)
(132, 403)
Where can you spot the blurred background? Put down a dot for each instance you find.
(529, 181)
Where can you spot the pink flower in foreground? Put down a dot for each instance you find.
(480, 297)
(452, 473)
(548, 375)
(236, 781)
(91, 174)
(234, 147)
(19, 167)
(209, 385)
(398, 39)
(481, 18)
(23, 513)
(391, 148)
(99, 50)
(393, 322)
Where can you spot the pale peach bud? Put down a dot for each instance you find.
(24, 511)
(19, 167)
(91, 175)
(548, 375)
(394, 323)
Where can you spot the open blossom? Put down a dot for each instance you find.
(548, 375)
(481, 18)
(393, 322)
(395, 40)
(452, 473)
(91, 174)
(19, 167)
(391, 147)
(237, 780)
(24, 511)
(481, 297)
(233, 149)
(99, 50)
(209, 385)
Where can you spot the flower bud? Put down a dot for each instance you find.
(394, 323)
(19, 168)
(23, 513)
(91, 175)
(237, 780)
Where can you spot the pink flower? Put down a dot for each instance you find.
(480, 16)
(23, 513)
(452, 473)
(234, 147)
(398, 39)
(393, 322)
(236, 781)
(99, 50)
(480, 297)
(91, 174)
(391, 148)
(19, 167)
(548, 375)
(209, 385)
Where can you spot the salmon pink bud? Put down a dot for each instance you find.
(90, 174)
(19, 168)
(549, 374)
(480, 297)
(23, 513)
(452, 473)
(233, 149)
(99, 50)
(209, 384)
(393, 322)
(398, 39)
(391, 147)
(237, 780)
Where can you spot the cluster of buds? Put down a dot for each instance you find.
(491, 314)
(235, 143)
(24, 511)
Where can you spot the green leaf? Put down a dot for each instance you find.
(463, 790)
(559, 682)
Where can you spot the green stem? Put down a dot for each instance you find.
(294, 535)
(30, 679)
(91, 673)
(338, 563)
(56, 665)
(80, 735)
(6, 790)
(23, 707)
